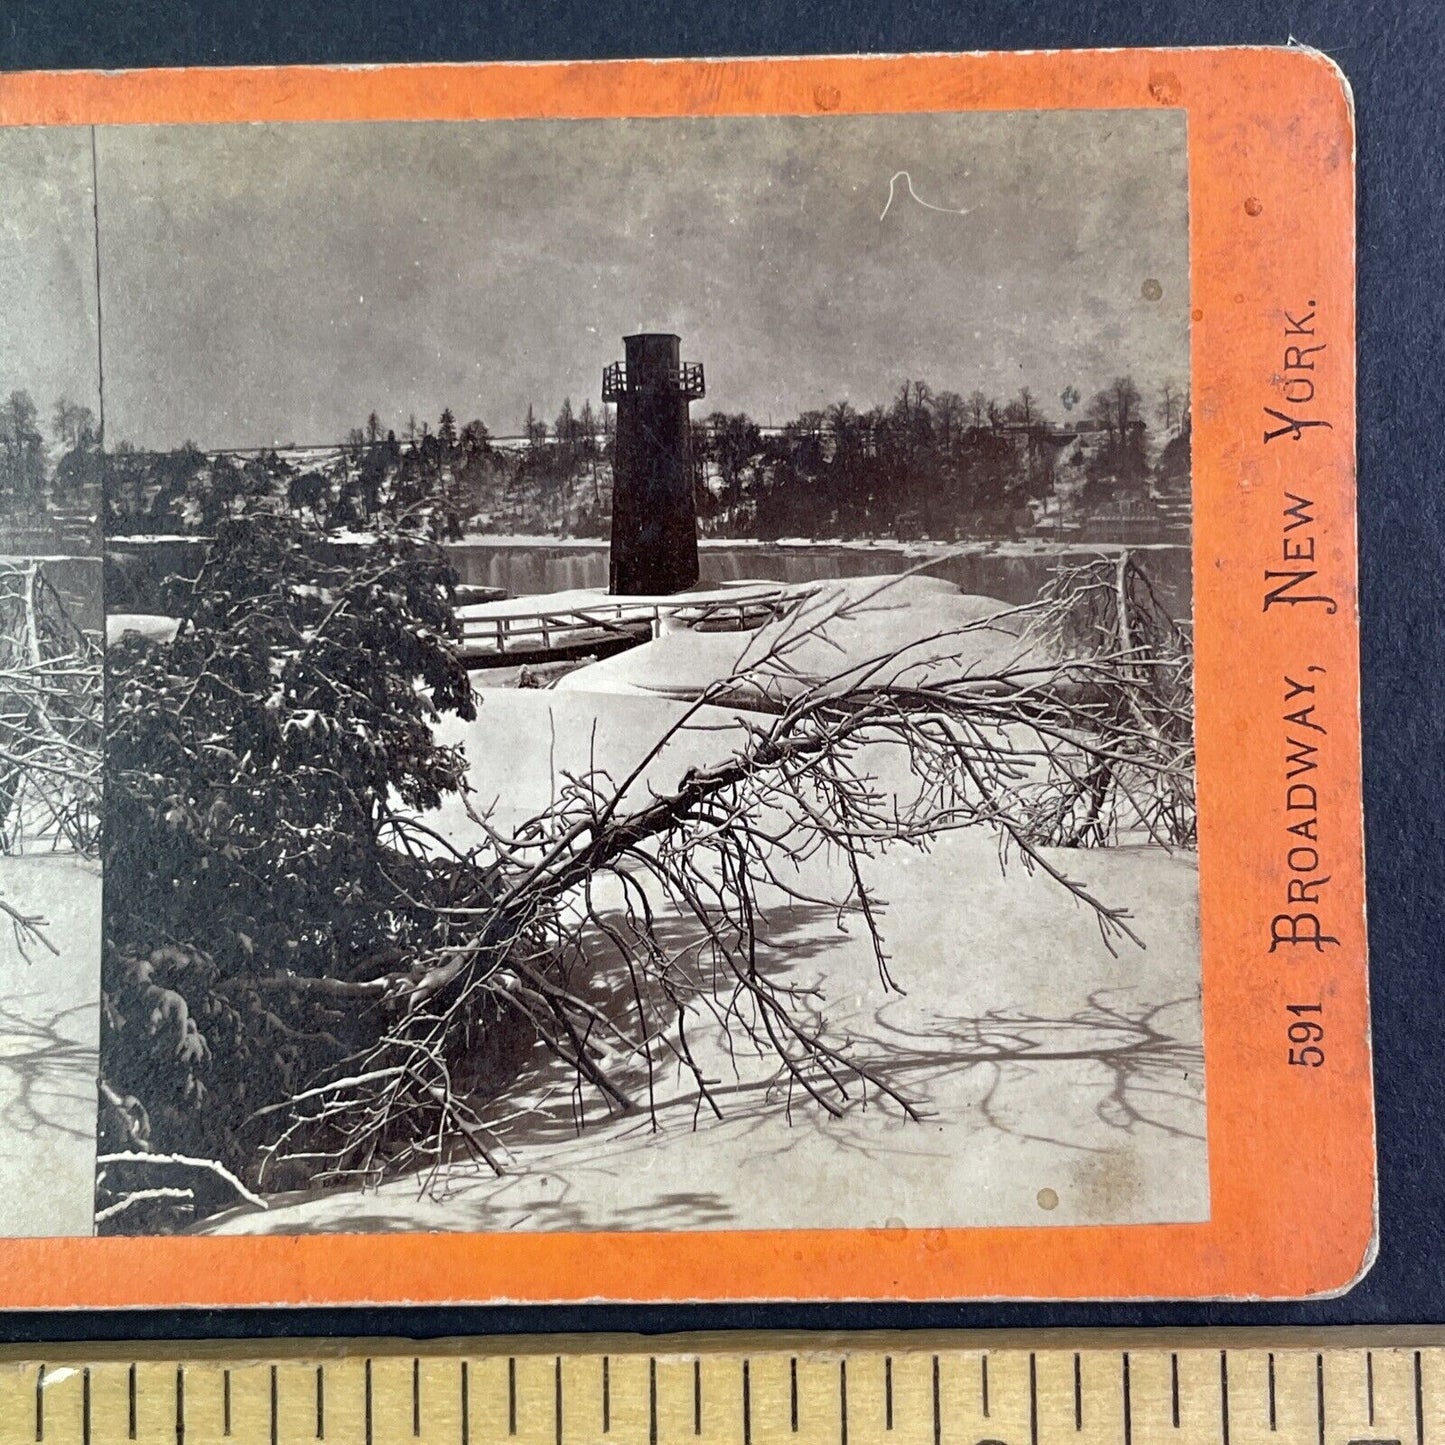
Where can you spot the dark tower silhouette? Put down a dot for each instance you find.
(654, 519)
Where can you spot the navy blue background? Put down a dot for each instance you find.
(1394, 55)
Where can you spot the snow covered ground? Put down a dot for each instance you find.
(49, 1048)
(922, 625)
(1058, 1082)
(151, 625)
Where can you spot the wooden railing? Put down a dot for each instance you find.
(686, 379)
(503, 634)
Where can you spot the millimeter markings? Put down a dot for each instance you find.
(696, 1392)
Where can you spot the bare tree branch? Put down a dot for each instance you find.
(1082, 734)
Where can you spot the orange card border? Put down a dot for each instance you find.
(1291, 1148)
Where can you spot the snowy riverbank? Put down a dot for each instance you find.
(1058, 1081)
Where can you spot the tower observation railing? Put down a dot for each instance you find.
(685, 380)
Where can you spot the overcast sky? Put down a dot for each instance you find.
(271, 284)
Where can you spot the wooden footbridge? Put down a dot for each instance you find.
(564, 626)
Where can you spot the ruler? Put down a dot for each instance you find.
(902, 1389)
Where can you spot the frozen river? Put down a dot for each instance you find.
(1013, 571)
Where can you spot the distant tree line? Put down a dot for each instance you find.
(40, 476)
(929, 464)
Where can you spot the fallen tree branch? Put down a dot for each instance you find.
(1087, 734)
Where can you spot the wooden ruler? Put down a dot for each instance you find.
(1340, 1388)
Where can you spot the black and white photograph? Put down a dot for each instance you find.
(51, 686)
(648, 668)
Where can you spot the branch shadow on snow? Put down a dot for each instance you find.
(1140, 1068)
(1131, 1067)
(567, 1213)
(1143, 1060)
(47, 1075)
(549, 1103)
(1137, 1082)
